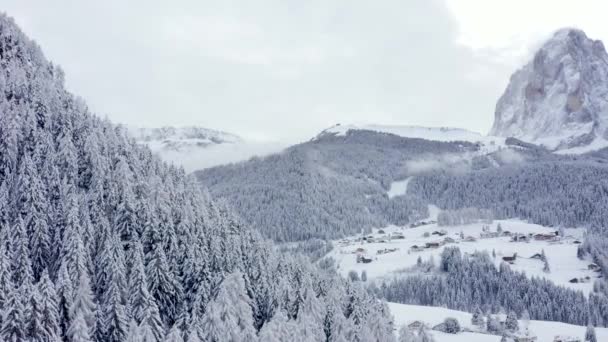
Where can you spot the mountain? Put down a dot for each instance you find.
(560, 98)
(102, 241)
(335, 184)
(196, 148)
(181, 139)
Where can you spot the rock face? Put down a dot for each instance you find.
(560, 98)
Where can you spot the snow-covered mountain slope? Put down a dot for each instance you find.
(560, 98)
(197, 148)
(429, 133)
(181, 138)
(544, 331)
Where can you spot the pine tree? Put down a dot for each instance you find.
(174, 335)
(49, 309)
(21, 264)
(229, 316)
(590, 334)
(141, 305)
(133, 335)
(424, 335)
(14, 321)
(162, 284)
(82, 312)
(6, 284)
(407, 335)
(278, 329)
(511, 323)
(114, 323)
(477, 318)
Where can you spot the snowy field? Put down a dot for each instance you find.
(561, 255)
(544, 331)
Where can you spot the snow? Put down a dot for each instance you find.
(428, 133)
(219, 154)
(197, 148)
(398, 188)
(562, 256)
(545, 331)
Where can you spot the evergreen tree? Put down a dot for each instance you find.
(229, 316)
(424, 335)
(407, 335)
(511, 323)
(174, 335)
(477, 318)
(14, 320)
(82, 312)
(590, 334)
(21, 264)
(163, 285)
(49, 309)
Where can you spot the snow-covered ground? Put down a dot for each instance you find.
(544, 331)
(561, 255)
(398, 188)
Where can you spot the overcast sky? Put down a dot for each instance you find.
(287, 69)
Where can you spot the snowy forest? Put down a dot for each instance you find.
(472, 283)
(333, 185)
(101, 241)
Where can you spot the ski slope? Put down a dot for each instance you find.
(543, 330)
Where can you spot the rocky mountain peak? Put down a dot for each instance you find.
(560, 98)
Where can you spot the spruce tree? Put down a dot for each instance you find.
(590, 334)
(229, 316)
(14, 320)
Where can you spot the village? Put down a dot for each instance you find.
(533, 249)
(529, 248)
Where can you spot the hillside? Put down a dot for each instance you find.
(102, 241)
(332, 185)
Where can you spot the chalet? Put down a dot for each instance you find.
(566, 339)
(470, 239)
(449, 240)
(366, 260)
(510, 259)
(386, 250)
(537, 256)
(488, 235)
(519, 238)
(580, 280)
(524, 338)
(432, 245)
(416, 248)
(594, 267)
(544, 237)
(397, 236)
(439, 233)
(415, 325)
(506, 233)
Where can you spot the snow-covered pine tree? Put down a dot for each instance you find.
(407, 335)
(229, 316)
(82, 312)
(590, 334)
(49, 308)
(14, 321)
(511, 323)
